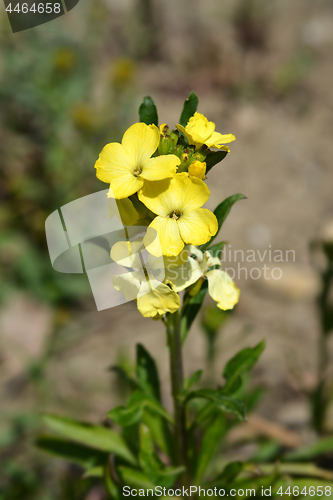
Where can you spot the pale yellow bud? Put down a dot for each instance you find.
(197, 169)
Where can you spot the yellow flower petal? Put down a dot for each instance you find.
(126, 185)
(122, 209)
(113, 161)
(160, 168)
(197, 169)
(194, 192)
(156, 298)
(141, 141)
(154, 195)
(200, 131)
(183, 276)
(216, 140)
(179, 193)
(169, 238)
(128, 284)
(222, 289)
(125, 253)
(197, 226)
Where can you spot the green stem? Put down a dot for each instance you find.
(177, 385)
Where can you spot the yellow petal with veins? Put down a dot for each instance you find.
(222, 289)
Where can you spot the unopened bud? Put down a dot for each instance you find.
(164, 129)
(174, 137)
(198, 156)
(197, 169)
(164, 145)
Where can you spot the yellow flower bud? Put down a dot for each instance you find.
(197, 169)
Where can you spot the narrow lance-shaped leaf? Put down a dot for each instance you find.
(191, 309)
(194, 379)
(227, 476)
(322, 446)
(209, 445)
(213, 158)
(148, 112)
(222, 212)
(147, 373)
(135, 478)
(72, 452)
(95, 436)
(149, 461)
(239, 365)
(226, 404)
(190, 107)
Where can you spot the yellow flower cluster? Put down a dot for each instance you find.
(157, 178)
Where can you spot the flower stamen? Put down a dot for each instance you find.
(137, 171)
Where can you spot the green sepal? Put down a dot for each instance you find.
(221, 212)
(190, 107)
(148, 112)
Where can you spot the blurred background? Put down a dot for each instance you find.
(263, 71)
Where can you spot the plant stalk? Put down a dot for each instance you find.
(177, 385)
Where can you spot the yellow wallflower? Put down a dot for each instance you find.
(220, 285)
(154, 298)
(200, 131)
(127, 165)
(179, 218)
(197, 169)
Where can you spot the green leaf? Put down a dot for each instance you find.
(160, 431)
(239, 365)
(228, 475)
(75, 453)
(135, 478)
(125, 376)
(94, 472)
(321, 447)
(213, 158)
(111, 486)
(169, 475)
(194, 379)
(148, 112)
(222, 211)
(224, 403)
(147, 373)
(126, 416)
(191, 310)
(216, 250)
(190, 107)
(307, 470)
(97, 437)
(135, 405)
(149, 461)
(209, 445)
